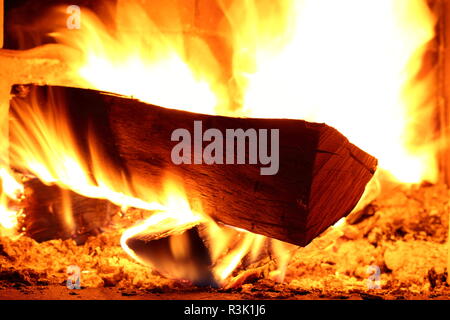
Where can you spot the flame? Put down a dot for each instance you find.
(351, 63)
(139, 60)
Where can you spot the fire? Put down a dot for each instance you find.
(45, 146)
(226, 252)
(350, 63)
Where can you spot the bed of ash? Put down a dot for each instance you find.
(403, 232)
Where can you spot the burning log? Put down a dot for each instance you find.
(319, 180)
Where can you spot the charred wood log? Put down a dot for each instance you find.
(51, 212)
